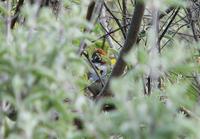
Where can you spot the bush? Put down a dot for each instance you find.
(42, 79)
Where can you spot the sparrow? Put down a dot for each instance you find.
(100, 65)
(98, 73)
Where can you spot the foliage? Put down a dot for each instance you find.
(42, 77)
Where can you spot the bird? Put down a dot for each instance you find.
(101, 65)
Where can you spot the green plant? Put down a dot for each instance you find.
(42, 76)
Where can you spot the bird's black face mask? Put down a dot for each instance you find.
(96, 58)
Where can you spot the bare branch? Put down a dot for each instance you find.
(131, 39)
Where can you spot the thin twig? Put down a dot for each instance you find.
(94, 68)
(116, 20)
(166, 29)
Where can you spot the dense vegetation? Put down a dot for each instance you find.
(104, 69)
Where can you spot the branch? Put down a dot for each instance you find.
(124, 13)
(128, 45)
(116, 20)
(105, 26)
(166, 12)
(17, 10)
(90, 11)
(189, 113)
(166, 29)
(93, 67)
(93, 9)
(111, 32)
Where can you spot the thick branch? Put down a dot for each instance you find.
(129, 43)
(15, 18)
(90, 11)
